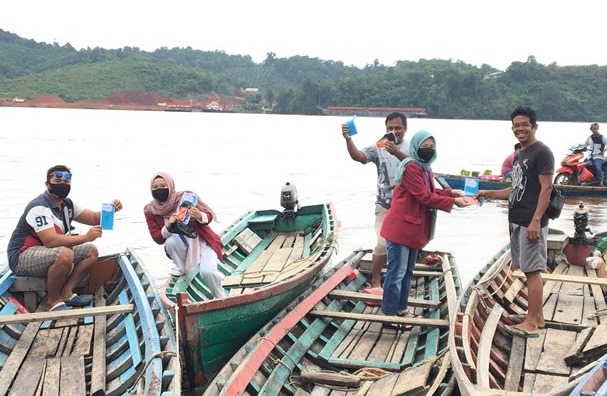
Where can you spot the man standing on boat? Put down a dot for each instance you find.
(528, 199)
(596, 144)
(386, 154)
(43, 245)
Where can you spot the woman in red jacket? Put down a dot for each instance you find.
(409, 224)
(187, 250)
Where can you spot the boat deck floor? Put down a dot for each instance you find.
(61, 352)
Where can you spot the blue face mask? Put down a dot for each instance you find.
(425, 154)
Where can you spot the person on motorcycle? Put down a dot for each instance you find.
(596, 144)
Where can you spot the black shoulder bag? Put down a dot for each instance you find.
(555, 206)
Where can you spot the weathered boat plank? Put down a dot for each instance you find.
(18, 355)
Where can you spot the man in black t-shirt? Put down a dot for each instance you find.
(528, 199)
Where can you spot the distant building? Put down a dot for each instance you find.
(411, 112)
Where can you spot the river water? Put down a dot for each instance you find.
(239, 162)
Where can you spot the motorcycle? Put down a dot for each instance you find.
(577, 168)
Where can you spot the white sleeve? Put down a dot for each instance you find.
(40, 218)
(77, 209)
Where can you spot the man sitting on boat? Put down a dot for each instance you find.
(43, 245)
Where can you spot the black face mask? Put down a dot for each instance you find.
(425, 154)
(60, 190)
(161, 194)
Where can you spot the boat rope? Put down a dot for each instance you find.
(160, 354)
(279, 361)
(371, 374)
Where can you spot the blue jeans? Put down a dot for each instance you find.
(598, 164)
(399, 275)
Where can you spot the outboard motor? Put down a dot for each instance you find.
(580, 222)
(289, 200)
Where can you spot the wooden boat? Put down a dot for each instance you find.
(489, 361)
(457, 182)
(124, 343)
(270, 258)
(595, 382)
(332, 337)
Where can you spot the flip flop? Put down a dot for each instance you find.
(378, 291)
(60, 307)
(518, 319)
(79, 301)
(407, 314)
(518, 332)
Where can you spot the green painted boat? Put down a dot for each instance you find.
(270, 259)
(335, 341)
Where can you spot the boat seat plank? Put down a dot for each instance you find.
(515, 364)
(52, 377)
(73, 380)
(556, 346)
(72, 313)
(566, 278)
(485, 344)
(262, 219)
(383, 318)
(28, 378)
(13, 362)
(365, 297)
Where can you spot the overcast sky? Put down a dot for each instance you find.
(355, 32)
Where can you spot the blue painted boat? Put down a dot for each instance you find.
(124, 343)
(334, 336)
(595, 382)
(485, 183)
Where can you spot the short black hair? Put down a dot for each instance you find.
(397, 114)
(51, 170)
(525, 111)
(518, 146)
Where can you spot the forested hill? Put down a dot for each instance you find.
(304, 85)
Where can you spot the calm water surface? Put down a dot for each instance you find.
(239, 162)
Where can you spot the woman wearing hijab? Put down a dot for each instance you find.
(203, 250)
(409, 224)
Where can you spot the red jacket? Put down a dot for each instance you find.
(407, 221)
(156, 222)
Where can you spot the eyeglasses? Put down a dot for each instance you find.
(63, 175)
(522, 125)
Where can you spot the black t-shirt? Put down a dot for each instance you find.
(529, 163)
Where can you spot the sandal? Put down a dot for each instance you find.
(407, 314)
